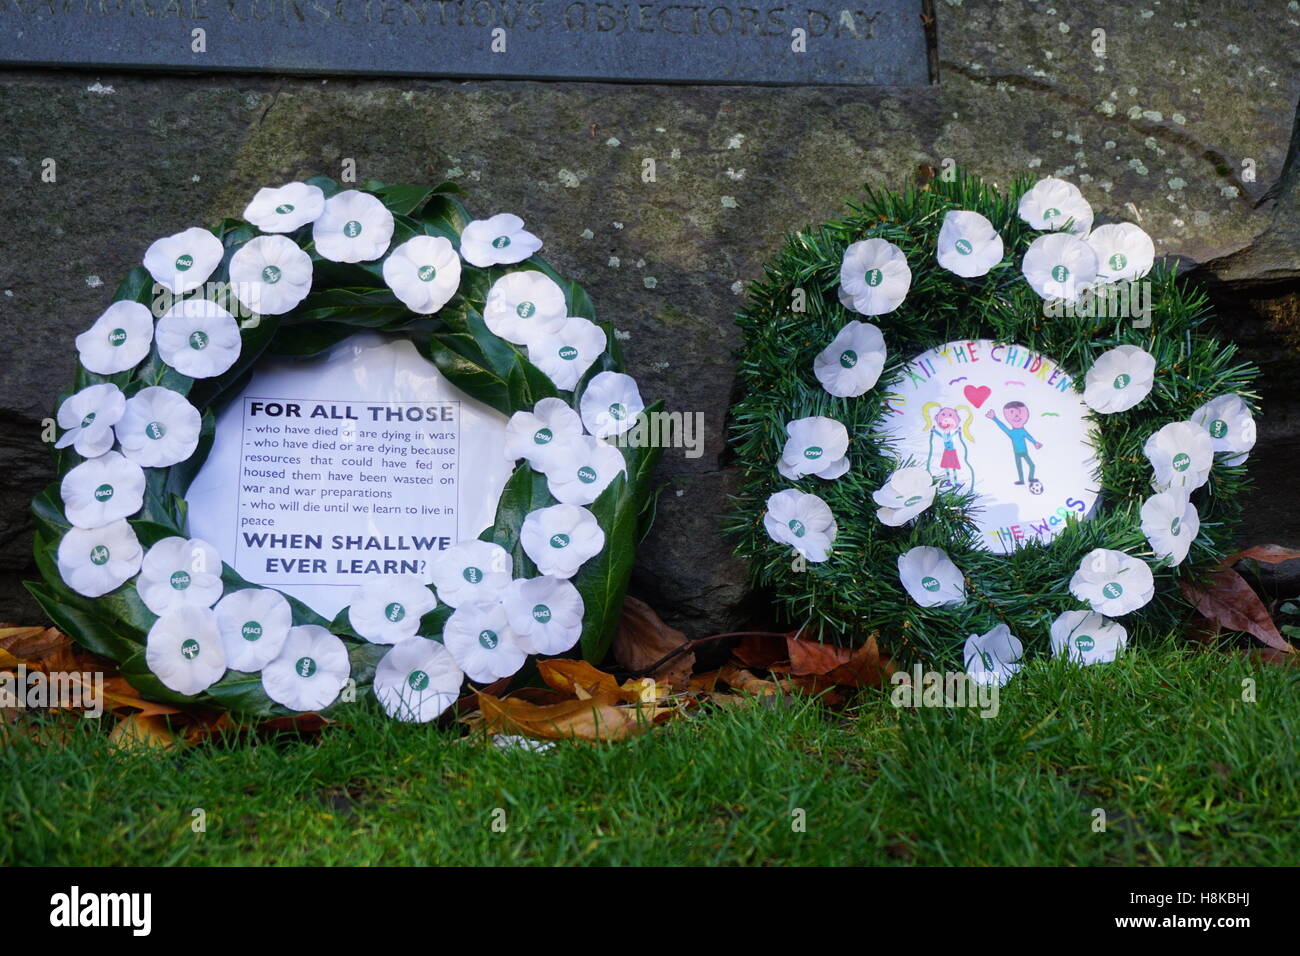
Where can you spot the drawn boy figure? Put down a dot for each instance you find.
(1017, 415)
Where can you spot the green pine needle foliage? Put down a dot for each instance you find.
(857, 592)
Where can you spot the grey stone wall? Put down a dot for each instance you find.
(1187, 125)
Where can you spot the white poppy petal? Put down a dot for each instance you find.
(1119, 379)
(968, 244)
(1124, 252)
(1171, 523)
(1230, 425)
(159, 428)
(481, 641)
(88, 417)
(561, 538)
(102, 490)
(388, 608)
(930, 578)
(1181, 455)
(1060, 266)
(802, 521)
(496, 241)
(353, 227)
(852, 363)
(874, 277)
(610, 404)
(1053, 203)
(270, 275)
(94, 561)
(542, 435)
(524, 305)
(179, 572)
(285, 208)
(566, 354)
(184, 650)
(993, 657)
(198, 338)
(545, 614)
(1087, 637)
(471, 571)
(586, 470)
(417, 680)
(254, 624)
(118, 340)
(309, 671)
(183, 262)
(1112, 582)
(424, 272)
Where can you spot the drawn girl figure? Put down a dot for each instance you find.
(950, 434)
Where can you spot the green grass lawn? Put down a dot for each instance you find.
(1162, 741)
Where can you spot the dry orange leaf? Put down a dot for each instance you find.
(591, 719)
(137, 730)
(579, 679)
(643, 639)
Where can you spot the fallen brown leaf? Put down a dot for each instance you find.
(762, 650)
(138, 731)
(822, 666)
(1268, 553)
(642, 639)
(591, 719)
(579, 679)
(1228, 600)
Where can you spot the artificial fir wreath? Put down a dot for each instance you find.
(311, 264)
(887, 353)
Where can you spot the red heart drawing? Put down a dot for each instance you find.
(977, 396)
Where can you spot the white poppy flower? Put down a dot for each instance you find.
(968, 244)
(993, 657)
(309, 671)
(254, 624)
(525, 305)
(1124, 251)
(1171, 523)
(560, 538)
(180, 573)
(1181, 455)
(1087, 637)
(471, 571)
(417, 680)
(424, 273)
(102, 490)
(183, 262)
(610, 404)
(1059, 266)
(852, 363)
(159, 427)
(499, 240)
(286, 208)
(545, 613)
(355, 227)
(1113, 582)
(816, 446)
(270, 275)
(118, 340)
(94, 561)
(1230, 425)
(184, 650)
(1051, 203)
(802, 521)
(566, 355)
(198, 338)
(906, 493)
(88, 418)
(482, 643)
(1119, 379)
(387, 609)
(930, 577)
(874, 277)
(585, 472)
(543, 435)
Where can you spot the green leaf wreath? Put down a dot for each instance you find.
(343, 297)
(847, 583)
